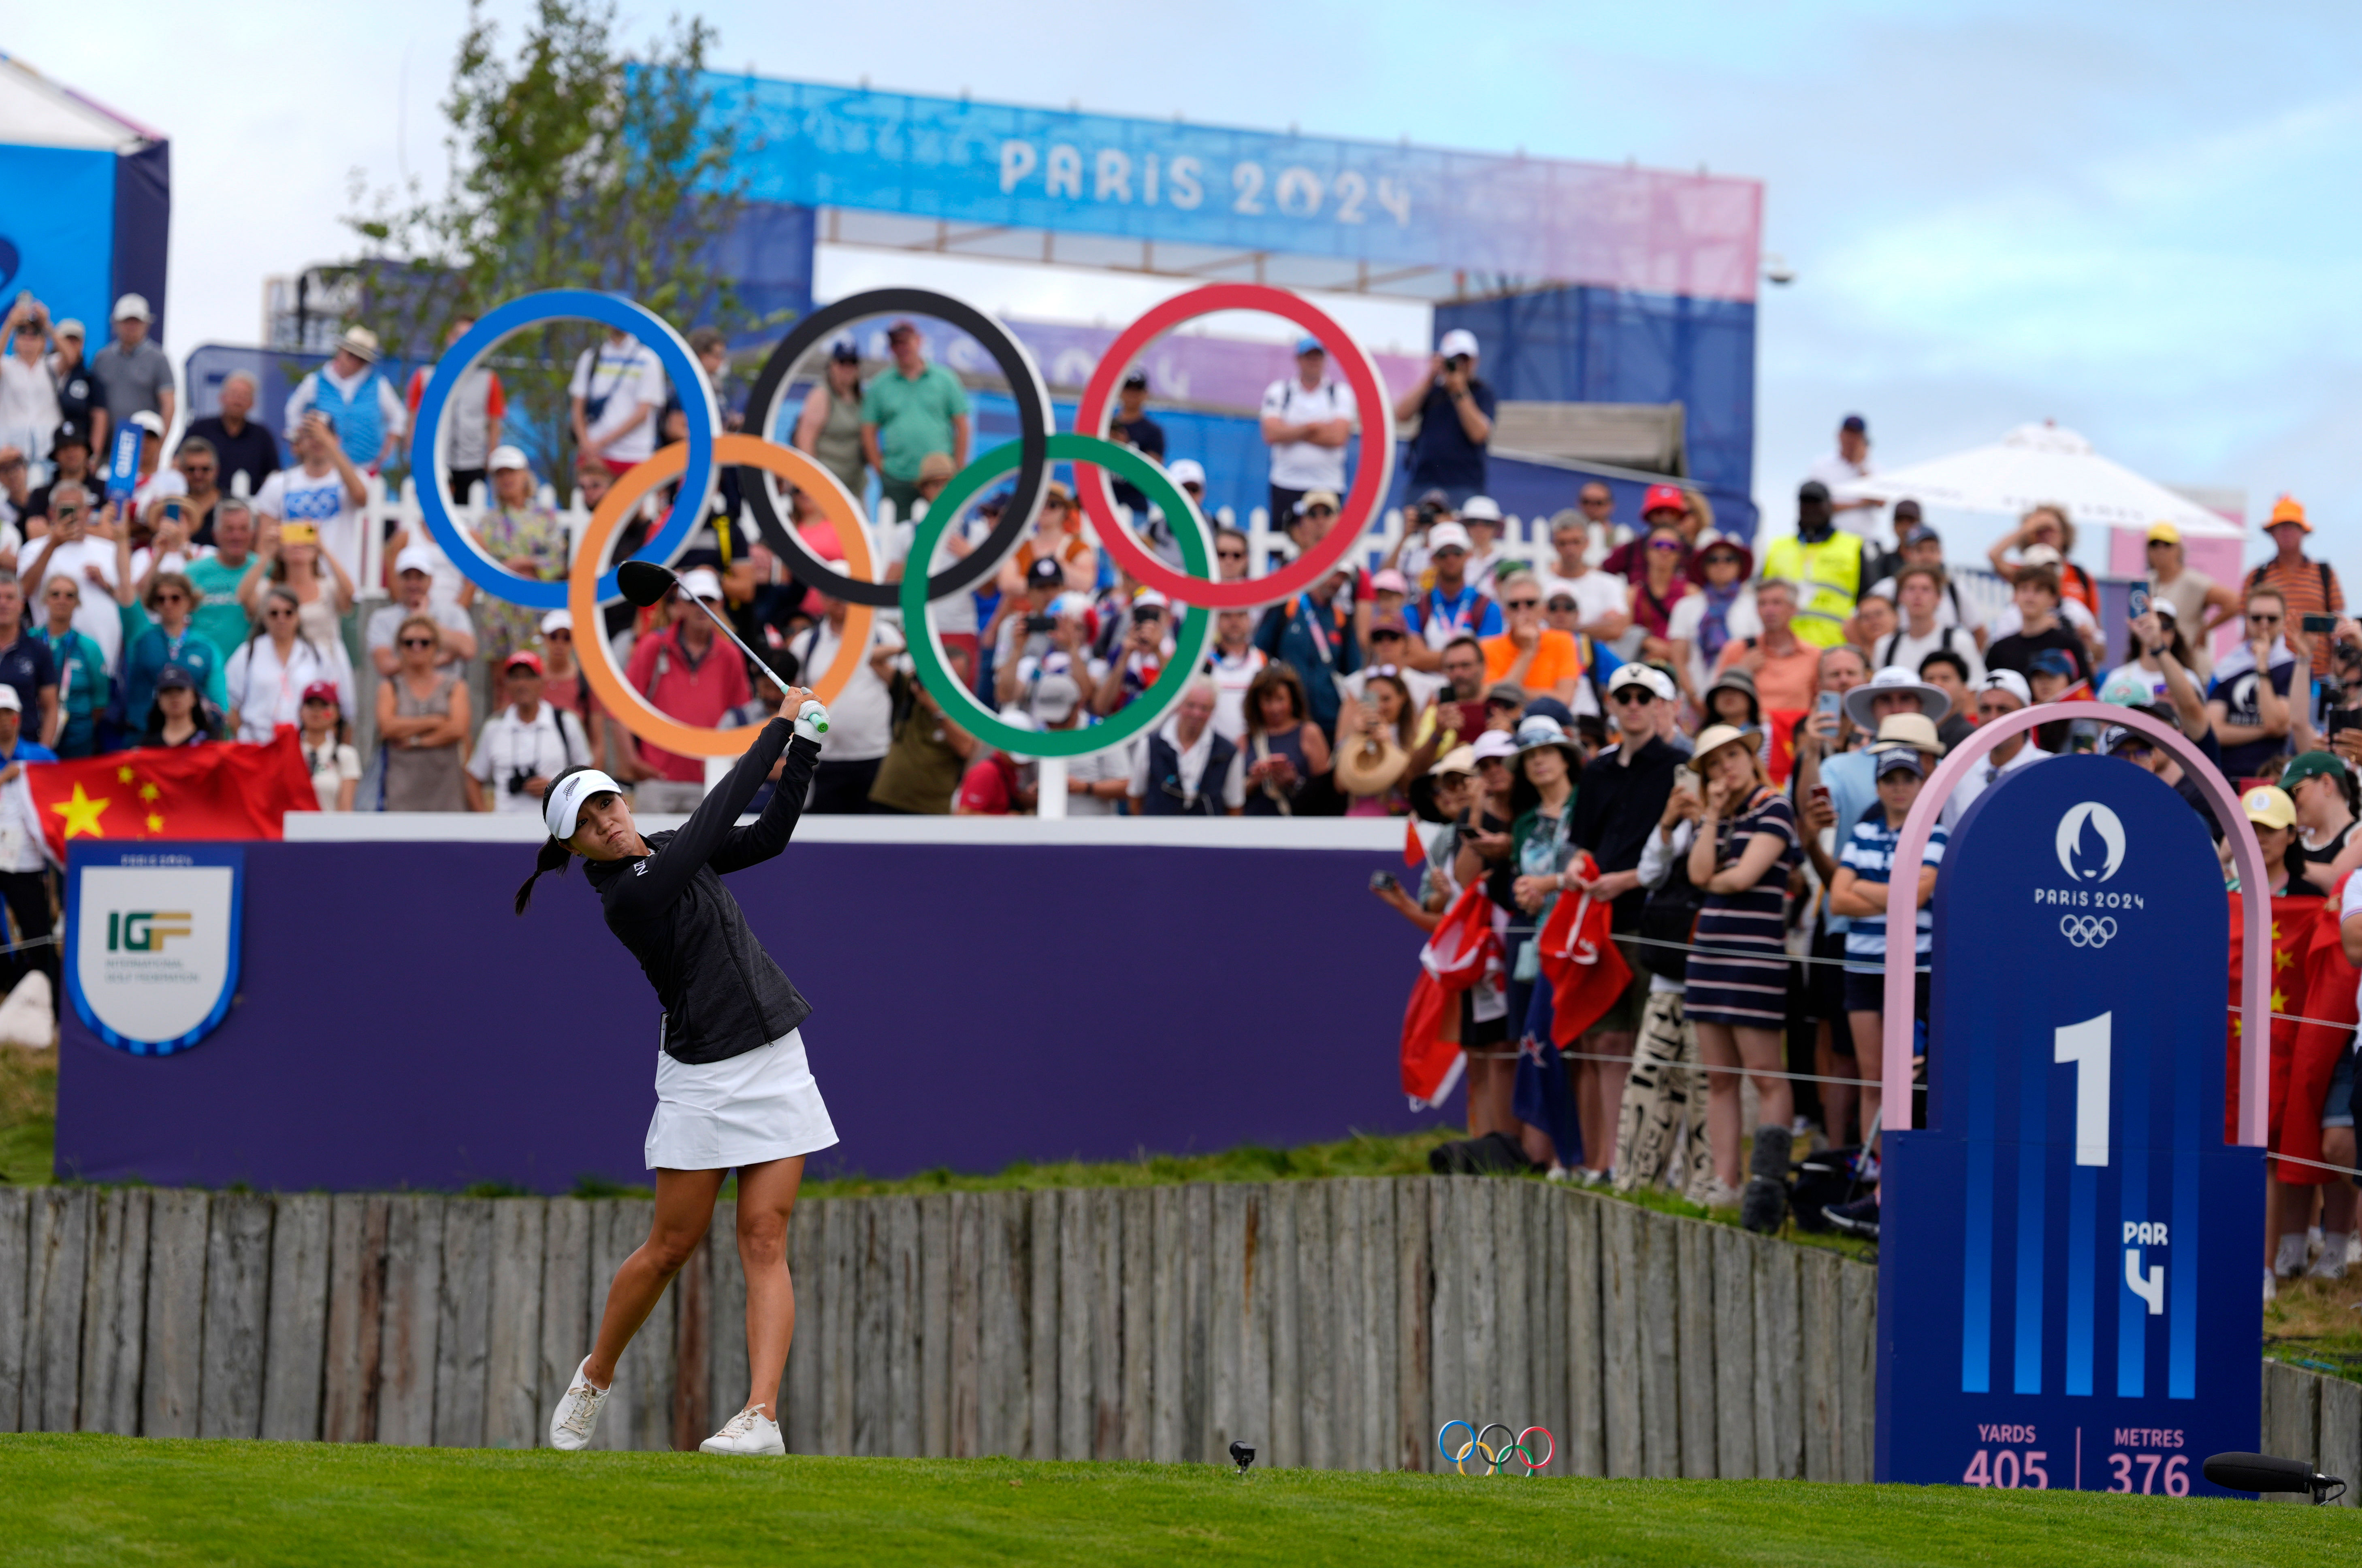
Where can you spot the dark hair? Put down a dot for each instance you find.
(1275, 676)
(554, 854)
(1465, 637)
(1946, 655)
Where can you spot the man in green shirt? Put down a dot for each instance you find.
(912, 410)
(220, 617)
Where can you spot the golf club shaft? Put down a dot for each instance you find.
(750, 653)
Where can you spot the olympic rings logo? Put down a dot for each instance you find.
(860, 583)
(2087, 930)
(1494, 1457)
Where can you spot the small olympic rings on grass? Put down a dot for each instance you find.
(634, 711)
(1361, 502)
(927, 652)
(1033, 427)
(1494, 1458)
(688, 383)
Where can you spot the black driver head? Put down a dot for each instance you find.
(643, 582)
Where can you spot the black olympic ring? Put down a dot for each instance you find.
(1025, 387)
(2087, 930)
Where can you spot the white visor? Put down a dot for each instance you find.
(561, 809)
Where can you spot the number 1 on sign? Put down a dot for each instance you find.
(2088, 1046)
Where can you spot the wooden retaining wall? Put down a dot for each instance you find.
(1329, 1323)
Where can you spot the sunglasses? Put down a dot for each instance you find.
(171, 599)
(1639, 696)
(1664, 544)
(1521, 603)
(558, 637)
(1719, 559)
(1383, 636)
(418, 642)
(2269, 618)
(1232, 555)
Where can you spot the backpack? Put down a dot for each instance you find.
(1943, 644)
(2328, 582)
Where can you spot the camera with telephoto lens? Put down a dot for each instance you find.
(519, 777)
(1429, 511)
(1041, 623)
(1457, 363)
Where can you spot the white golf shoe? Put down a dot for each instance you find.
(577, 1416)
(749, 1431)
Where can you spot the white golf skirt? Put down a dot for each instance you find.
(761, 1105)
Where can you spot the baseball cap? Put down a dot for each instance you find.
(70, 433)
(2040, 555)
(16, 704)
(1480, 509)
(1447, 536)
(561, 808)
(1459, 759)
(1665, 498)
(2053, 661)
(2164, 534)
(1135, 377)
(1312, 498)
(151, 421)
(1389, 582)
(2312, 764)
(1188, 471)
(1855, 423)
(2009, 681)
(843, 352)
(558, 621)
(323, 691)
(1492, 744)
(1923, 535)
(172, 675)
(1459, 340)
(905, 326)
(1907, 510)
(1812, 489)
(2268, 805)
(1390, 623)
(1507, 694)
(1054, 697)
(2289, 509)
(1149, 599)
(132, 307)
(412, 557)
(1044, 572)
(1900, 759)
(506, 457)
(525, 656)
(1638, 674)
(72, 326)
(1308, 344)
(701, 583)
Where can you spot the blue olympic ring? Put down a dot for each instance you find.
(529, 310)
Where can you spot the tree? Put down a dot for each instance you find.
(572, 165)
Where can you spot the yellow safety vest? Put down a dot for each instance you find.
(1829, 579)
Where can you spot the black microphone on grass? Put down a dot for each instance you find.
(2262, 1473)
(644, 582)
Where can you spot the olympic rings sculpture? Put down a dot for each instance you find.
(1494, 1457)
(860, 581)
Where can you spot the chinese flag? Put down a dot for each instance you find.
(225, 789)
(2302, 1055)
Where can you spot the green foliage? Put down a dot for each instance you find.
(573, 164)
(112, 1500)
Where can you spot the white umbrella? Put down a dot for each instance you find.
(2038, 463)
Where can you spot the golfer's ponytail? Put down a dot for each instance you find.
(553, 857)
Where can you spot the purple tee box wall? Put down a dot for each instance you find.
(972, 1005)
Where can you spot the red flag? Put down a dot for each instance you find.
(225, 789)
(1587, 971)
(1780, 732)
(1461, 951)
(2294, 928)
(1413, 846)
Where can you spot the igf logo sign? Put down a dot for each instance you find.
(143, 931)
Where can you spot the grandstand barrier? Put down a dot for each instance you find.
(1333, 1324)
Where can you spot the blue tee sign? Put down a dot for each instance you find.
(2069, 1257)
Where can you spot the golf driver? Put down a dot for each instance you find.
(644, 582)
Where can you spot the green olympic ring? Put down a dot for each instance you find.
(927, 653)
(1494, 1459)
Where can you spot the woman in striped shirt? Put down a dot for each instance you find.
(1736, 995)
(1865, 866)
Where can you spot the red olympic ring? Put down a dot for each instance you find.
(1361, 504)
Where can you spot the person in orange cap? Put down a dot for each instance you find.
(2308, 587)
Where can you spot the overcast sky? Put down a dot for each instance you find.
(2138, 221)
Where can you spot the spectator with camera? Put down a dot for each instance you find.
(324, 492)
(26, 665)
(1376, 749)
(70, 464)
(1285, 750)
(1138, 658)
(1311, 632)
(523, 745)
(2248, 700)
(29, 410)
(70, 548)
(1454, 407)
(1026, 628)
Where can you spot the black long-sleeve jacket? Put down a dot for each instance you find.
(722, 995)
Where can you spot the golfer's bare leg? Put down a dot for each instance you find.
(767, 1194)
(684, 1209)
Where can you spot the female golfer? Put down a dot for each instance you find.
(733, 1089)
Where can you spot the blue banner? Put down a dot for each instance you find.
(57, 232)
(1391, 206)
(2070, 1257)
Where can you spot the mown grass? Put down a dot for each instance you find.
(74, 1500)
(28, 1113)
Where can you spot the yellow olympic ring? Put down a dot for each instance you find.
(634, 711)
